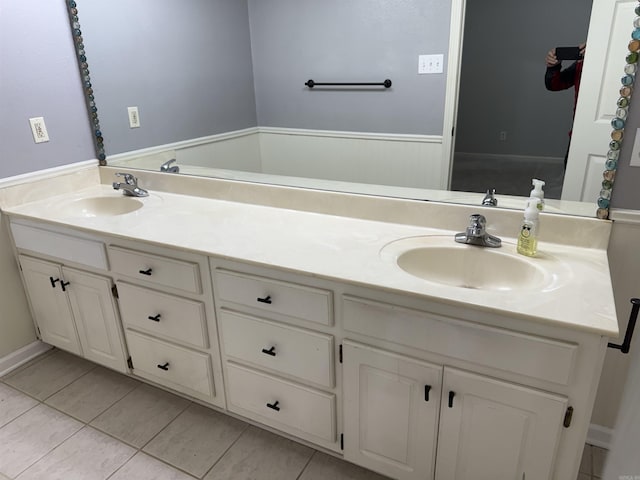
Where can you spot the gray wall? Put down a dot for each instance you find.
(185, 65)
(39, 78)
(502, 82)
(626, 191)
(350, 41)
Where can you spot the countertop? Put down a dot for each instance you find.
(339, 248)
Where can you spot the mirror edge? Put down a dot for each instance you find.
(611, 162)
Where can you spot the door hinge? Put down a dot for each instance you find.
(38, 329)
(453, 130)
(114, 291)
(130, 362)
(340, 354)
(568, 415)
(342, 441)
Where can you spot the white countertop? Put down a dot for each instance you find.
(339, 248)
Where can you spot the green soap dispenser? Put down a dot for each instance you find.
(528, 236)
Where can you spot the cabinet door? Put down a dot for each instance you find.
(493, 430)
(391, 406)
(49, 304)
(94, 312)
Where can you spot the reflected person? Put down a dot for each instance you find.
(556, 78)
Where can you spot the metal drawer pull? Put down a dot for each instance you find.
(155, 319)
(271, 351)
(64, 284)
(266, 299)
(164, 367)
(451, 395)
(274, 406)
(146, 272)
(427, 389)
(53, 281)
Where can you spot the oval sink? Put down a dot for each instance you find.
(441, 260)
(101, 206)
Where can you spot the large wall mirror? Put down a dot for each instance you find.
(220, 88)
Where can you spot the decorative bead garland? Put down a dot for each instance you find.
(618, 123)
(86, 82)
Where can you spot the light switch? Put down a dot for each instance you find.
(39, 130)
(635, 154)
(430, 64)
(134, 117)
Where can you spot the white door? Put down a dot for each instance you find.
(95, 316)
(609, 35)
(391, 406)
(493, 430)
(49, 304)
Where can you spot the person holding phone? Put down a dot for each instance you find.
(556, 78)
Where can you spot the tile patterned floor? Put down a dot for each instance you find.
(63, 418)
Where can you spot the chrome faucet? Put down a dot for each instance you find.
(130, 186)
(166, 168)
(476, 233)
(489, 199)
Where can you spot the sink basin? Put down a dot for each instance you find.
(101, 206)
(440, 260)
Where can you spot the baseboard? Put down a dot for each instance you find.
(507, 157)
(625, 216)
(46, 173)
(599, 436)
(15, 359)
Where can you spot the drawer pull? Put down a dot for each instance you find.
(165, 367)
(53, 281)
(146, 272)
(64, 284)
(451, 395)
(271, 351)
(274, 406)
(427, 389)
(266, 299)
(155, 319)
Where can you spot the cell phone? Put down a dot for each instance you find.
(568, 53)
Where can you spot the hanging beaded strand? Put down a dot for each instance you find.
(86, 82)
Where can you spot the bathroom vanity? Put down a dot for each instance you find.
(306, 323)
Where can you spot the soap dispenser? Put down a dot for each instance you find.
(537, 192)
(528, 236)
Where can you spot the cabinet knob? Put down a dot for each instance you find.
(53, 281)
(155, 319)
(266, 299)
(64, 284)
(271, 351)
(427, 389)
(146, 272)
(274, 406)
(165, 367)
(451, 395)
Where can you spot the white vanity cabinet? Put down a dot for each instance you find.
(168, 318)
(278, 347)
(73, 309)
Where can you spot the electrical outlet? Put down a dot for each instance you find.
(503, 136)
(134, 117)
(430, 64)
(39, 130)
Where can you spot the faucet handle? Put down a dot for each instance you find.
(477, 220)
(128, 178)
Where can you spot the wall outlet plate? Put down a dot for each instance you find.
(39, 130)
(134, 117)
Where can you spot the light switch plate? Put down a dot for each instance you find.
(430, 64)
(39, 130)
(635, 154)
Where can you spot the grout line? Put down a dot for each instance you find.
(229, 448)
(307, 464)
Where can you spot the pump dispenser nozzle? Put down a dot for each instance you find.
(537, 192)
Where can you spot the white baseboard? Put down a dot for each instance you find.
(15, 359)
(502, 157)
(599, 436)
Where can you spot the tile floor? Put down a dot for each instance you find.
(63, 418)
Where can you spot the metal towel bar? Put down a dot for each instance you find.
(312, 83)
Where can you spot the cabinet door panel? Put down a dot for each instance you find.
(50, 304)
(493, 430)
(391, 412)
(94, 312)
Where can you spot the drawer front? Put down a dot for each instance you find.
(163, 315)
(156, 269)
(300, 353)
(78, 250)
(529, 355)
(182, 369)
(293, 407)
(305, 303)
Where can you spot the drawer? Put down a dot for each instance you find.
(156, 269)
(182, 369)
(66, 247)
(163, 315)
(289, 350)
(498, 348)
(305, 303)
(294, 408)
